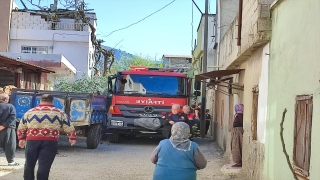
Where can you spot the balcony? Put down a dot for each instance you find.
(68, 26)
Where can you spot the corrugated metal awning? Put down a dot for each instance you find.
(9, 63)
(214, 74)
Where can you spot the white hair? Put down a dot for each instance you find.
(176, 105)
(186, 106)
(4, 96)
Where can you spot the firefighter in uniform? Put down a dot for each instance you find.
(176, 115)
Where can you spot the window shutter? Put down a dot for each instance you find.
(302, 134)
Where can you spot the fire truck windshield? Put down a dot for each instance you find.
(152, 85)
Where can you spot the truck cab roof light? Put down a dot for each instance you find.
(138, 68)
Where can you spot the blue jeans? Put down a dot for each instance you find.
(42, 151)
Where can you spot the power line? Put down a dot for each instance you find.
(116, 43)
(139, 20)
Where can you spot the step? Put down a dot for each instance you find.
(227, 169)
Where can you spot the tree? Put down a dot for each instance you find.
(84, 84)
(136, 60)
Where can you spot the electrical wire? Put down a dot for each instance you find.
(116, 43)
(140, 20)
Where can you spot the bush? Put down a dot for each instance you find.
(84, 84)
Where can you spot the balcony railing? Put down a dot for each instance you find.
(69, 26)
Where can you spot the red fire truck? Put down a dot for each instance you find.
(140, 97)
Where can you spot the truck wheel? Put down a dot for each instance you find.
(114, 137)
(94, 136)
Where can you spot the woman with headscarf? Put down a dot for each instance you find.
(177, 158)
(236, 136)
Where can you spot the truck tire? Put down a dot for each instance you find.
(114, 137)
(94, 136)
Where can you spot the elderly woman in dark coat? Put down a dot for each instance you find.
(177, 158)
(236, 136)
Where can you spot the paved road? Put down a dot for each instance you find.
(128, 160)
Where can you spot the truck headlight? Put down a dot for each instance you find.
(116, 123)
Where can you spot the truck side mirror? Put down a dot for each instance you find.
(196, 93)
(197, 85)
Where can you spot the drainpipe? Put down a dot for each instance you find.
(239, 23)
(204, 70)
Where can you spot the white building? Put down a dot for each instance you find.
(38, 32)
(198, 56)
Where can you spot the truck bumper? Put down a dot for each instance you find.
(123, 125)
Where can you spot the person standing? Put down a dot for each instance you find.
(173, 117)
(8, 134)
(192, 119)
(177, 158)
(208, 120)
(197, 111)
(237, 135)
(39, 132)
(192, 108)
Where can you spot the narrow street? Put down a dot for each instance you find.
(129, 159)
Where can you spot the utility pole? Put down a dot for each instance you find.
(204, 70)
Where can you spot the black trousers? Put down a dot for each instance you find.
(207, 126)
(42, 151)
(9, 143)
(168, 128)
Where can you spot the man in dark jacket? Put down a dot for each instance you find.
(192, 120)
(174, 116)
(8, 129)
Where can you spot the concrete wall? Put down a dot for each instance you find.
(174, 62)
(226, 12)
(222, 118)
(294, 70)
(198, 52)
(250, 56)
(228, 49)
(67, 49)
(24, 20)
(5, 17)
(256, 70)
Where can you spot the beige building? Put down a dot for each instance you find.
(294, 85)
(5, 19)
(242, 57)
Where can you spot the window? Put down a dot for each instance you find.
(155, 85)
(302, 134)
(254, 115)
(34, 49)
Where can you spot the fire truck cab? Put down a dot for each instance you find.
(140, 97)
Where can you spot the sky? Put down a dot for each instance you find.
(169, 31)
